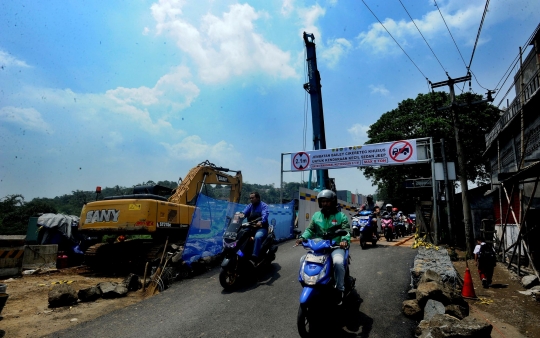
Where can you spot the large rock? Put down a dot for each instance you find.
(439, 262)
(412, 309)
(433, 308)
(430, 276)
(429, 290)
(457, 311)
(438, 292)
(112, 290)
(529, 281)
(89, 294)
(62, 295)
(132, 282)
(445, 326)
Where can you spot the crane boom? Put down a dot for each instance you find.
(313, 87)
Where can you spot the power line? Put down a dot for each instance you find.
(395, 40)
(514, 62)
(479, 30)
(455, 44)
(422, 35)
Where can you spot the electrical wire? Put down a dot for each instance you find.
(447, 28)
(478, 34)
(395, 40)
(422, 35)
(513, 64)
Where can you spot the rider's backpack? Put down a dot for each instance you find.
(487, 257)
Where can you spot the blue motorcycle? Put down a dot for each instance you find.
(367, 232)
(317, 278)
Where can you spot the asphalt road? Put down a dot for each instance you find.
(199, 307)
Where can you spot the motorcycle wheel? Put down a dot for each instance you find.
(362, 242)
(305, 329)
(228, 279)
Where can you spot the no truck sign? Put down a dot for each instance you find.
(368, 155)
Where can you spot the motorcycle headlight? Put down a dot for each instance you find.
(312, 280)
(229, 245)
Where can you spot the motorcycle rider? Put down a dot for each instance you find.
(254, 210)
(328, 220)
(388, 210)
(370, 205)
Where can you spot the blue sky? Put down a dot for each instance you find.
(121, 92)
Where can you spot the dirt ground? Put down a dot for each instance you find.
(26, 313)
(511, 313)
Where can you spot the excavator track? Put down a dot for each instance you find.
(129, 255)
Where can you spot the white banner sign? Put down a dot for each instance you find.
(390, 153)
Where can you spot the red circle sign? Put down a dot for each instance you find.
(400, 148)
(300, 161)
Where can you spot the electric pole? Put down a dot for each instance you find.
(460, 157)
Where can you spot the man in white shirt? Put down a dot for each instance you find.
(485, 259)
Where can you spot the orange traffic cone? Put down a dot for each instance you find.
(468, 288)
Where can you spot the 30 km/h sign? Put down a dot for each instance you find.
(368, 155)
(300, 161)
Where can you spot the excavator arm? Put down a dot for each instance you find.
(206, 173)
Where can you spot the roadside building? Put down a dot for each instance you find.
(513, 150)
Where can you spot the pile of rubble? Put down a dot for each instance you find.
(436, 301)
(530, 282)
(64, 294)
(438, 261)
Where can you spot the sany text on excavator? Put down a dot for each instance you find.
(148, 212)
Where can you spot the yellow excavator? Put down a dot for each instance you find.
(148, 211)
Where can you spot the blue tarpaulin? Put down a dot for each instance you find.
(210, 221)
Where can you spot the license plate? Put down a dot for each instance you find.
(315, 259)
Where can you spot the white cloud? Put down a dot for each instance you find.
(9, 60)
(359, 133)
(287, 7)
(171, 87)
(150, 108)
(222, 46)
(379, 89)
(337, 48)
(114, 139)
(28, 118)
(309, 16)
(145, 31)
(461, 20)
(194, 148)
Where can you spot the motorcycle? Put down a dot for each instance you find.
(399, 228)
(316, 276)
(358, 220)
(368, 232)
(238, 241)
(387, 225)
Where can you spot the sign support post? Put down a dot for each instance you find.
(435, 207)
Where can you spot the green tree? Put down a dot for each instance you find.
(421, 117)
(15, 213)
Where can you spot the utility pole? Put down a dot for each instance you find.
(447, 194)
(460, 157)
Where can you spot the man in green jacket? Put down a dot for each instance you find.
(328, 220)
